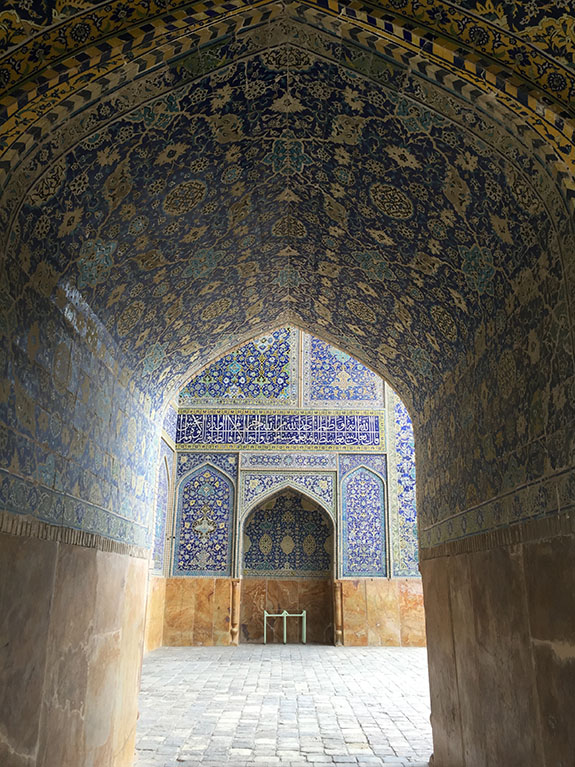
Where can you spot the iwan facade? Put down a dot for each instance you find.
(286, 482)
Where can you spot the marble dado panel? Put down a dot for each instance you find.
(257, 485)
(309, 460)
(204, 524)
(330, 375)
(294, 595)
(155, 608)
(289, 536)
(227, 462)
(380, 611)
(515, 641)
(198, 612)
(72, 627)
(225, 430)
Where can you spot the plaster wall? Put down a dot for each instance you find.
(70, 656)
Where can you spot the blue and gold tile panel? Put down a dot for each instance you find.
(350, 461)
(227, 462)
(204, 521)
(363, 525)
(165, 463)
(262, 372)
(331, 376)
(310, 460)
(256, 485)
(294, 429)
(401, 488)
(170, 422)
(289, 536)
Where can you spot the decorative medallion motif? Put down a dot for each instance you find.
(288, 537)
(203, 525)
(391, 201)
(363, 520)
(185, 197)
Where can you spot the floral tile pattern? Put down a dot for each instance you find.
(203, 525)
(227, 462)
(260, 373)
(363, 525)
(258, 484)
(330, 375)
(288, 536)
(165, 478)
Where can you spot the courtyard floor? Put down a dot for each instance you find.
(291, 706)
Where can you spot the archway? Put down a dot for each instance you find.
(445, 264)
(288, 546)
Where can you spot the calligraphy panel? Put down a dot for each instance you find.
(283, 430)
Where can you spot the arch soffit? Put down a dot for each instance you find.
(410, 50)
(350, 344)
(22, 169)
(354, 349)
(266, 495)
(488, 45)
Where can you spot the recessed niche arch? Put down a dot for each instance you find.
(287, 563)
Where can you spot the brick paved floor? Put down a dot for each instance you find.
(291, 706)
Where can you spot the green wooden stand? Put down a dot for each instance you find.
(286, 615)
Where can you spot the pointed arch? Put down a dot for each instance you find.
(364, 524)
(308, 534)
(318, 487)
(203, 528)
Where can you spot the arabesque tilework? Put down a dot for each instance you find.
(330, 375)
(404, 534)
(261, 373)
(170, 422)
(363, 524)
(135, 249)
(256, 485)
(165, 480)
(227, 462)
(309, 460)
(289, 536)
(204, 519)
(350, 461)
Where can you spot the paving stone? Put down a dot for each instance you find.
(284, 706)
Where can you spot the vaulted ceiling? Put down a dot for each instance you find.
(196, 174)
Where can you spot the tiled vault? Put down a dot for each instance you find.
(398, 180)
